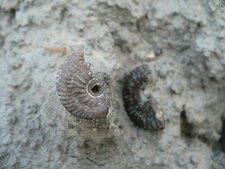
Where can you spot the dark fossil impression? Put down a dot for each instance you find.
(82, 92)
(144, 112)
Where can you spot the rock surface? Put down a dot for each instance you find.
(189, 77)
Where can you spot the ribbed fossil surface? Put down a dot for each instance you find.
(82, 92)
(145, 113)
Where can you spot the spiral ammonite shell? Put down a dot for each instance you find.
(82, 92)
(145, 113)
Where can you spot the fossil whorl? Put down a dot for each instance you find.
(82, 92)
(143, 111)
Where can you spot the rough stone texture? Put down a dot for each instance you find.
(189, 82)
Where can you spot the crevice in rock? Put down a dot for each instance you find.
(12, 13)
(188, 131)
(63, 14)
(121, 43)
(186, 127)
(222, 138)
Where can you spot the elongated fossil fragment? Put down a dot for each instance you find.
(144, 112)
(82, 92)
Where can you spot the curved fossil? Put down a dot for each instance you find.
(145, 113)
(82, 92)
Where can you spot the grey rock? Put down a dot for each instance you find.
(117, 36)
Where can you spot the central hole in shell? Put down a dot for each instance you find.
(95, 89)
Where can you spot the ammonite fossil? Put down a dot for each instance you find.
(143, 110)
(82, 92)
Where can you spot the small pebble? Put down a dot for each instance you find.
(151, 56)
(158, 51)
(182, 161)
(17, 66)
(163, 72)
(194, 159)
(176, 88)
(51, 64)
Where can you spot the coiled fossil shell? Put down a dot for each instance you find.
(82, 92)
(144, 112)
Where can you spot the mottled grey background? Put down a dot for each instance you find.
(189, 82)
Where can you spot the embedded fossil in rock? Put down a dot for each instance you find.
(82, 92)
(144, 112)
